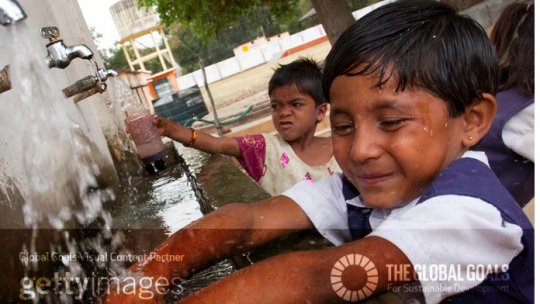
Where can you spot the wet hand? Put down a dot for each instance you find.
(169, 128)
(129, 295)
(124, 299)
(162, 124)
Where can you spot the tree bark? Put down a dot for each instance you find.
(335, 17)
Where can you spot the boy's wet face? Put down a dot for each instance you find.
(390, 145)
(293, 113)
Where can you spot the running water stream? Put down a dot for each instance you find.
(61, 182)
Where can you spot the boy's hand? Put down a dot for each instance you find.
(129, 299)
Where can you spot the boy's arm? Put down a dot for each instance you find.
(232, 228)
(357, 269)
(204, 142)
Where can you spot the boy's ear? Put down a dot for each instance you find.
(478, 118)
(321, 111)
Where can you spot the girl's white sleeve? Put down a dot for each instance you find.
(518, 133)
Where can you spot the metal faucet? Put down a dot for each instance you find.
(103, 74)
(59, 55)
(11, 12)
(89, 85)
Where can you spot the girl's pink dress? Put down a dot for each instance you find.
(272, 163)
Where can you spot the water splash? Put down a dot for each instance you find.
(55, 168)
(122, 102)
(124, 97)
(55, 158)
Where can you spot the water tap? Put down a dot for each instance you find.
(10, 12)
(103, 74)
(89, 85)
(59, 55)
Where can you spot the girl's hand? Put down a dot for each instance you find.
(164, 125)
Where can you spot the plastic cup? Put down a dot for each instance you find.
(146, 137)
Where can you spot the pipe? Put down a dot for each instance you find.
(5, 83)
(80, 86)
(97, 88)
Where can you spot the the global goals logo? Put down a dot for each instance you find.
(350, 269)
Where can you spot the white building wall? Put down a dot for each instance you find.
(255, 56)
(271, 51)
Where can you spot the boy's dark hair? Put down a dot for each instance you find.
(423, 43)
(304, 73)
(513, 37)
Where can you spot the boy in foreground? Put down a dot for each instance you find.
(411, 86)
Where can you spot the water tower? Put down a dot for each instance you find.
(143, 40)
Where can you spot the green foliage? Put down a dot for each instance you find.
(115, 60)
(153, 65)
(187, 46)
(358, 4)
(212, 35)
(208, 18)
(212, 29)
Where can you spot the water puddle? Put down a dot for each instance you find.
(156, 206)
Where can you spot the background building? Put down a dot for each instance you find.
(130, 19)
(142, 36)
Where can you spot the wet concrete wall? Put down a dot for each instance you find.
(100, 124)
(68, 18)
(57, 157)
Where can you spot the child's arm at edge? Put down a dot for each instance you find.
(305, 277)
(230, 229)
(200, 141)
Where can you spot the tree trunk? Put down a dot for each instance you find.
(335, 17)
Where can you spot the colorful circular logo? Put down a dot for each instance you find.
(355, 266)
